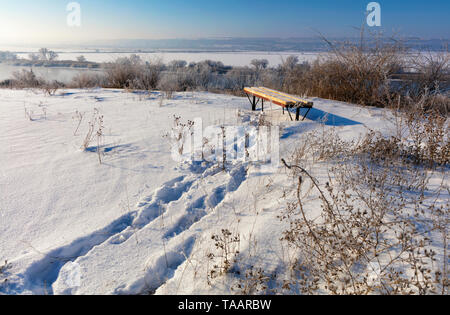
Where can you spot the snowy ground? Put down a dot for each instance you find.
(140, 222)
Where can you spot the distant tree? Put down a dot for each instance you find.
(135, 59)
(290, 63)
(177, 64)
(33, 57)
(52, 56)
(211, 66)
(260, 64)
(132, 60)
(43, 54)
(47, 55)
(81, 59)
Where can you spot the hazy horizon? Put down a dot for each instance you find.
(269, 45)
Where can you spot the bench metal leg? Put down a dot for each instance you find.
(289, 112)
(306, 115)
(252, 101)
(262, 102)
(255, 103)
(297, 114)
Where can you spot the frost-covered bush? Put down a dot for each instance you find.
(133, 73)
(26, 79)
(47, 55)
(122, 72)
(87, 80)
(170, 83)
(382, 226)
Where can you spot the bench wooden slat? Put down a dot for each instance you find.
(279, 98)
(268, 97)
(276, 97)
(287, 101)
(288, 96)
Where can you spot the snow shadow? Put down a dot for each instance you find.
(328, 119)
(64, 94)
(109, 149)
(297, 129)
(42, 274)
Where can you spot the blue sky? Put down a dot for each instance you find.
(45, 20)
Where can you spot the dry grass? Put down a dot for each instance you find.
(349, 73)
(4, 272)
(362, 74)
(95, 133)
(133, 73)
(26, 79)
(427, 143)
(433, 70)
(383, 222)
(227, 247)
(380, 218)
(372, 236)
(87, 80)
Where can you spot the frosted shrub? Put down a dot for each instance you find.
(26, 79)
(87, 80)
(169, 83)
(94, 133)
(180, 138)
(227, 247)
(378, 213)
(4, 272)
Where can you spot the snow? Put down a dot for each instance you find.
(139, 222)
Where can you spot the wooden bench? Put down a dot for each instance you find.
(257, 94)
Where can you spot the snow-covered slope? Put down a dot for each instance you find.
(139, 222)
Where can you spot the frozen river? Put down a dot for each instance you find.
(237, 59)
(59, 74)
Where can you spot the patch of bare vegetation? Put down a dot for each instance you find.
(227, 250)
(78, 117)
(372, 236)
(383, 223)
(94, 134)
(374, 220)
(26, 79)
(4, 272)
(180, 136)
(428, 145)
(133, 73)
(87, 80)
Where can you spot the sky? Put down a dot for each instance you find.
(45, 21)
